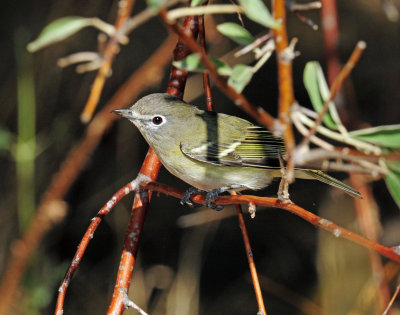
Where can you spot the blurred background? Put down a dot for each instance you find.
(191, 261)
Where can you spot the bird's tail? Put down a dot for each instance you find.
(321, 176)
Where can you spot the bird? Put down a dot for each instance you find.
(213, 152)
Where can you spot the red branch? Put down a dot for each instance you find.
(250, 259)
(74, 162)
(286, 93)
(178, 77)
(206, 77)
(127, 189)
(257, 113)
(389, 252)
(149, 169)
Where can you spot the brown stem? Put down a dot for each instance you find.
(75, 161)
(150, 168)
(392, 253)
(395, 294)
(250, 258)
(85, 242)
(112, 47)
(258, 113)
(286, 93)
(206, 77)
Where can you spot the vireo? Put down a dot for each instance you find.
(212, 152)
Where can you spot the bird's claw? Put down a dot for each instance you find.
(186, 197)
(210, 198)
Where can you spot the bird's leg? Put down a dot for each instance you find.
(186, 197)
(212, 195)
(283, 191)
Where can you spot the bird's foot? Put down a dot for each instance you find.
(186, 197)
(211, 196)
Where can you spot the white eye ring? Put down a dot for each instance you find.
(157, 120)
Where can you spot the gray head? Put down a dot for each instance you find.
(158, 116)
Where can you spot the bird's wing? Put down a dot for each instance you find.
(235, 142)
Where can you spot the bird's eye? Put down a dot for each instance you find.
(157, 120)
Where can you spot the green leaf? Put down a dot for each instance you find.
(236, 33)
(190, 63)
(154, 3)
(59, 30)
(392, 180)
(240, 77)
(386, 136)
(317, 88)
(193, 63)
(257, 11)
(195, 3)
(6, 138)
(393, 165)
(222, 67)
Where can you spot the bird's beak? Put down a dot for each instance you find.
(125, 112)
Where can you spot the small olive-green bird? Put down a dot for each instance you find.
(212, 152)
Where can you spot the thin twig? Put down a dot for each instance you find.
(392, 253)
(388, 307)
(257, 42)
(178, 77)
(122, 192)
(203, 10)
(258, 113)
(206, 78)
(302, 304)
(150, 168)
(74, 162)
(250, 258)
(293, 6)
(124, 10)
(344, 138)
(304, 131)
(286, 93)
(145, 15)
(343, 74)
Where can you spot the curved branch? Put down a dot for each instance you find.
(392, 253)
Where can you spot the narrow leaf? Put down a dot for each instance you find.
(316, 87)
(154, 3)
(196, 3)
(236, 33)
(222, 67)
(6, 138)
(394, 166)
(190, 63)
(325, 94)
(58, 30)
(257, 11)
(240, 77)
(193, 63)
(392, 180)
(387, 136)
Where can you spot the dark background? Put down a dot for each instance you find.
(293, 258)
